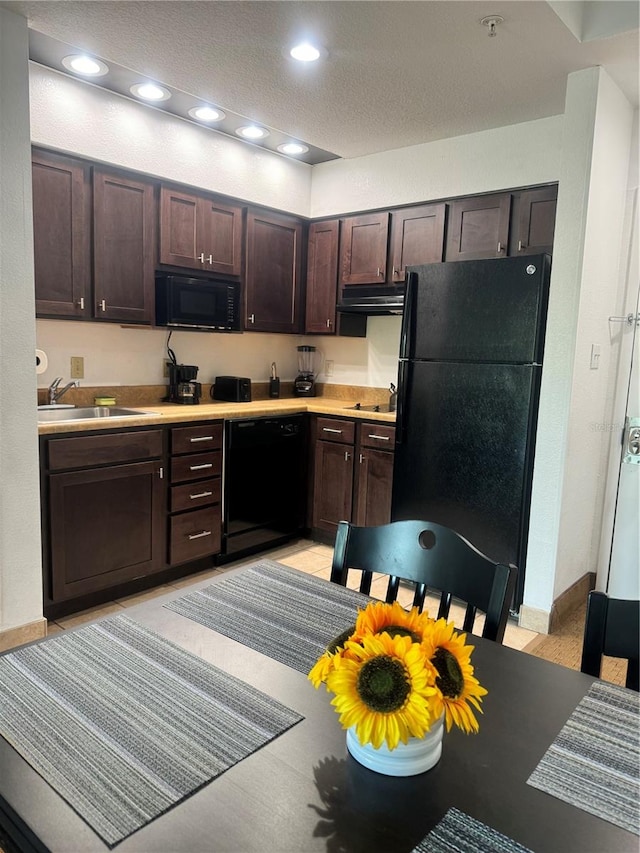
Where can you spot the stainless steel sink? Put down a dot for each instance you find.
(86, 413)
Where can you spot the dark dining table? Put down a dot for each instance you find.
(303, 792)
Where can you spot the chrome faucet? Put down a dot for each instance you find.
(54, 393)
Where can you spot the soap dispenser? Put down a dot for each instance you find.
(393, 397)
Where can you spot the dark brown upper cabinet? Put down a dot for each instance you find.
(123, 248)
(478, 227)
(61, 190)
(533, 221)
(417, 237)
(200, 232)
(322, 277)
(273, 276)
(363, 249)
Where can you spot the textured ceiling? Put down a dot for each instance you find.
(396, 74)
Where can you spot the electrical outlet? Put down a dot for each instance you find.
(166, 368)
(77, 367)
(328, 367)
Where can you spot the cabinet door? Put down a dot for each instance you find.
(374, 478)
(123, 236)
(220, 237)
(417, 237)
(478, 228)
(363, 249)
(322, 277)
(273, 280)
(178, 233)
(107, 527)
(333, 485)
(534, 221)
(61, 235)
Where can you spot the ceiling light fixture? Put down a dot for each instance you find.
(86, 65)
(252, 131)
(492, 21)
(206, 114)
(150, 92)
(305, 52)
(292, 148)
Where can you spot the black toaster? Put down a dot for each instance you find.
(232, 389)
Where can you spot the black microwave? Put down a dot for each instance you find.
(197, 303)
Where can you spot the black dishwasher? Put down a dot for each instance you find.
(265, 478)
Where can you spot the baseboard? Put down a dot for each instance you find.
(21, 634)
(565, 603)
(533, 619)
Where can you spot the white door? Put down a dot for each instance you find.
(624, 566)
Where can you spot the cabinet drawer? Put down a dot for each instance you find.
(105, 449)
(196, 466)
(196, 439)
(195, 534)
(331, 429)
(379, 436)
(195, 495)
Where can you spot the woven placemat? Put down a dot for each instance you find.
(594, 762)
(285, 614)
(124, 724)
(459, 833)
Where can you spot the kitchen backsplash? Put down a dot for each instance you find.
(117, 357)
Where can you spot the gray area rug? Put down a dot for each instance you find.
(124, 724)
(459, 833)
(594, 762)
(283, 613)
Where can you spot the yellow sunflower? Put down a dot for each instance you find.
(323, 666)
(457, 686)
(394, 619)
(384, 686)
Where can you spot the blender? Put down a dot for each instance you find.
(304, 385)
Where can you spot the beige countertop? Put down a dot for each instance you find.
(172, 413)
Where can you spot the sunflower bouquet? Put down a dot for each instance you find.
(396, 672)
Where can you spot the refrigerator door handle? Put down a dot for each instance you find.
(403, 370)
(407, 316)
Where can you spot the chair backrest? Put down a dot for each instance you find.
(612, 628)
(432, 557)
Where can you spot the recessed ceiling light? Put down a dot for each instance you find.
(150, 92)
(293, 148)
(305, 52)
(252, 131)
(206, 114)
(88, 65)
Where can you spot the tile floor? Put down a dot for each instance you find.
(304, 555)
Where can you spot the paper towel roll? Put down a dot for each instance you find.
(42, 362)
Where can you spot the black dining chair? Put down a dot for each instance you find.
(612, 628)
(429, 556)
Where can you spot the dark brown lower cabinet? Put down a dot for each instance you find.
(353, 471)
(106, 513)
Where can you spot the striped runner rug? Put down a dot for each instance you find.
(594, 762)
(283, 613)
(124, 724)
(459, 833)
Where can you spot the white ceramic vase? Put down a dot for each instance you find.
(416, 756)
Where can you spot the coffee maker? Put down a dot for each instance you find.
(304, 385)
(182, 385)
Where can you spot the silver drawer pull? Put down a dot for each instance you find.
(379, 437)
(200, 495)
(336, 431)
(201, 467)
(202, 438)
(199, 535)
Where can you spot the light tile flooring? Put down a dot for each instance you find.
(304, 555)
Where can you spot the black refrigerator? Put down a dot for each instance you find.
(471, 351)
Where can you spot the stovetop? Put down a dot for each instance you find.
(371, 407)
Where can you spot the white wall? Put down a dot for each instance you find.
(20, 560)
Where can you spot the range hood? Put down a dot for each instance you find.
(370, 300)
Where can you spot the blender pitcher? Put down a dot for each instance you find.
(304, 384)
